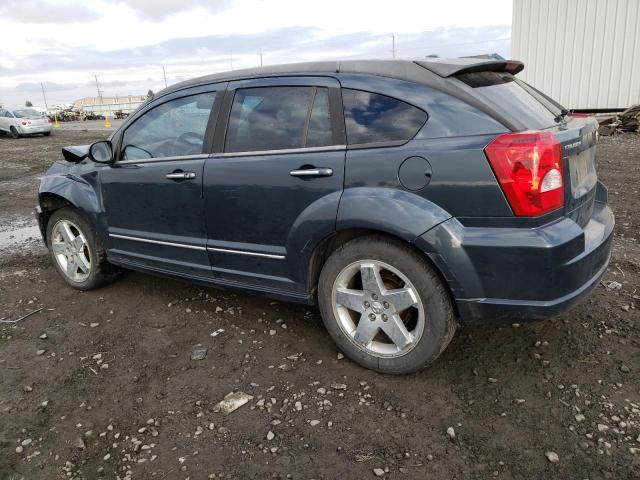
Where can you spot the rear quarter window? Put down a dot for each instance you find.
(506, 92)
(375, 118)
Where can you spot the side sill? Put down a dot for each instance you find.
(214, 282)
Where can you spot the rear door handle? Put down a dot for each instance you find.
(180, 176)
(312, 172)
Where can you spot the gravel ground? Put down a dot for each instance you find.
(125, 382)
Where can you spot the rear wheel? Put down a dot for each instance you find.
(46, 134)
(76, 252)
(14, 132)
(385, 306)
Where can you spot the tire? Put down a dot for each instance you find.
(88, 268)
(375, 266)
(47, 134)
(14, 133)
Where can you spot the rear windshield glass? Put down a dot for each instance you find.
(27, 113)
(521, 100)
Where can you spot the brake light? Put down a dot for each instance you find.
(23, 123)
(528, 166)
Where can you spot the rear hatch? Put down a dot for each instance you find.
(535, 111)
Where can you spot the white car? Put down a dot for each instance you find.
(20, 121)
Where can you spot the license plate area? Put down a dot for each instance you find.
(582, 171)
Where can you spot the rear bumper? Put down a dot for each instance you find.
(516, 273)
(34, 129)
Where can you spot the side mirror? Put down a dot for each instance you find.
(101, 152)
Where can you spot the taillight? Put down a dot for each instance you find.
(528, 166)
(23, 123)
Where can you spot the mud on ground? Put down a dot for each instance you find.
(102, 383)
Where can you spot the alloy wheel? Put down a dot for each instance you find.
(71, 251)
(378, 308)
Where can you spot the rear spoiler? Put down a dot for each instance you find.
(456, 66)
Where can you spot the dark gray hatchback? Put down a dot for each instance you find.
(401, 197)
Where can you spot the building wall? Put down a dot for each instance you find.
(583, 53)
(108, 105)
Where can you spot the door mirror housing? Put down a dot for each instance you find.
(101, 152)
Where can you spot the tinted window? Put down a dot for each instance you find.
(172, 129)
(276, 118)
(371, 118)
(319, 134)
(506, 92)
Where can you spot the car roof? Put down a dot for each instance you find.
(427, 71)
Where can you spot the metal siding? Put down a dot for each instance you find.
(580, 52)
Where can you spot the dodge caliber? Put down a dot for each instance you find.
(403, 198)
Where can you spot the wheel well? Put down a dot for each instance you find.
(331, 243)
(49, 203)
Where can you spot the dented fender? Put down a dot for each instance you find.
(76, 184)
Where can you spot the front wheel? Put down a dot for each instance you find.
(385, 306)
(76, 251)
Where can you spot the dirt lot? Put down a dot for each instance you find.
(103, 383)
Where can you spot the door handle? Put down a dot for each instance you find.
(312, 172)
(180, 176)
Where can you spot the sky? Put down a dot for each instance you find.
(63, 44)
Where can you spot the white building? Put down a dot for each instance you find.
(108, 105)
(583, 53)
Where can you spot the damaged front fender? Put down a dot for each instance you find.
(76, 185)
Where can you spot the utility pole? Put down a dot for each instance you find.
(393, 45)
(231, 62)
(98, 88)
(100, 95)
(44, 96)
(165, 76)
(260, 57)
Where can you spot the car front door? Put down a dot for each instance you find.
(152, 194)
(272, 190)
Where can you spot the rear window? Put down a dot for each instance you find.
(507, 92)
(374, 118)
(27, 113)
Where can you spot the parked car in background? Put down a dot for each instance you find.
(400, 197)
(21, 121)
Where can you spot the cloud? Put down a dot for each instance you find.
(42, 11)
(158, 9)
(68, 71)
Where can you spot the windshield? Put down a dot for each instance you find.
(27, 113)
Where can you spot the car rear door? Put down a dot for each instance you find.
(152, 194)
(273, 187)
